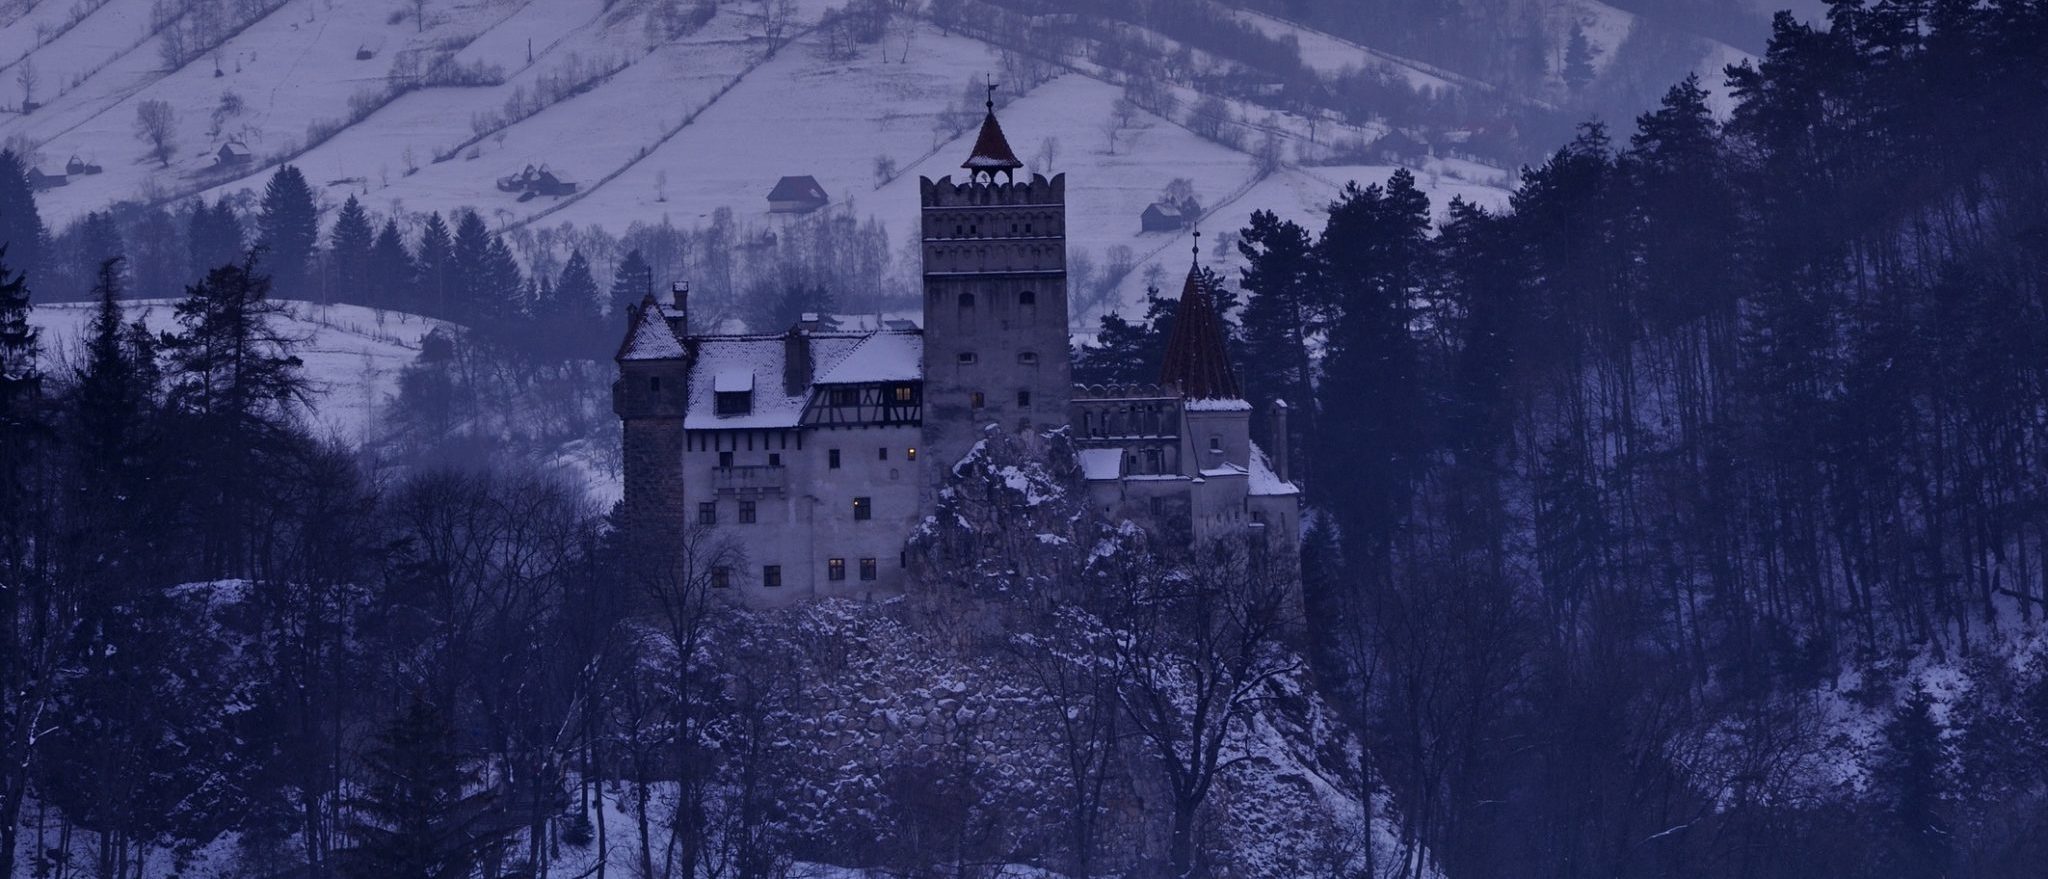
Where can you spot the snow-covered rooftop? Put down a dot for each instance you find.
(651, 339)
(1264, 482)
(891, 356)
(1218, 404)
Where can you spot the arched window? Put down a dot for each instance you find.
(1028, 297)
(966, 300)
(1028, 358)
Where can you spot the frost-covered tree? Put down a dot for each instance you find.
(156, 125)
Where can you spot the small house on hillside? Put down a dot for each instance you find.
(1396, 147)
(797, 195)
(1161, 216)
(78, 166)
(38, 180)
(233, 153)
(535, 182)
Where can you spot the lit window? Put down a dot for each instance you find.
(1024, 399)
(771, 575)
(904, 394)
(835, 569)
(832, 458)
(867, 569)
(721, 577)
(967, 357)
(746, 512)
(707, 513)
(1028, 297)
(910, 453)
(863, 509)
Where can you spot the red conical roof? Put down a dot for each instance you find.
(992, 151)
(1195, 358)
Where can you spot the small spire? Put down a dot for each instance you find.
(991, 84)
(1198, 244)
(992, 151)
(1196, 360)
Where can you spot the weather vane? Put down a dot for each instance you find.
(991, 83)
(1198, 244)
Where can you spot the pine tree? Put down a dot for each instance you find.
(391, 275)
(351, 241)
(213, 237)
(434, 265)
(28, 608)
(288, 231)
(631, 281)
(1912, 774)
(416, 822)
(109, 397)
(1281, 314)
(504, 287)
(1578, 60)
(21, 225)
(474, 300)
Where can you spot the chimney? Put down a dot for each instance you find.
(1278, 433)
(681, 291)
(796, 361)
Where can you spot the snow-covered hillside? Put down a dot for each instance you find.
(353, 355)
(679, 128)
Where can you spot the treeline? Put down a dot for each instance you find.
(1606, 481)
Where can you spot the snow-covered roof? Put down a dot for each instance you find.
(991, 149)
(1264, 482)
(733, 381)
(1218, 404)
(723, 363)
(1101, 464)
(651, 338)
(800, 187)
(889, 356)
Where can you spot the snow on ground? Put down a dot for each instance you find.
(752, 117)
(353, 355)
(1329, 55)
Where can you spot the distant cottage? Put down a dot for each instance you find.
(232, 153)
(78, 166)
(38, 180)
(800, 194)
(535, 182)
(1162, 216)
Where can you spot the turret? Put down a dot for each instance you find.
(651, 397)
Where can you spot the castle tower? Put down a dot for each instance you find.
(1217, 432)
(995, 301)
(650, 397)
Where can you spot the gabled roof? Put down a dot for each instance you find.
(886, 356)
(650, 338)
(802, 187)
(1195, 358)
(1163, 209)
(991, 149)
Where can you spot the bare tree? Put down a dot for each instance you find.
(684, 584)
(1074, 665)
(27, 76)
(156, 125)
(419, 16)
(1048, 154)
(1201, 648)
(885, 170)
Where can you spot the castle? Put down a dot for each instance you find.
(819, 449)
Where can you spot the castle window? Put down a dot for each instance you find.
(832, 458)
(910, 453)
(1028, 297)
(882, 454)
(1027, 228)
(725, 459)
(654, 383)
(863, 509)
(959, 230)
(771, 575)
(835, 569)
(867, 569)
(844, 396)
(774, 459)
(1028, 358)
(904, 394)
(966, 300)
(967, 357)
(1216, 444)
(746, 512)
(732, 402)
(976, 400)
(721, 577)
(1024, 399)
(707, 513)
